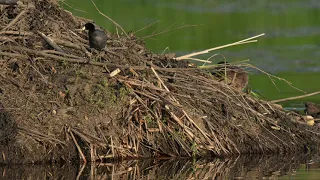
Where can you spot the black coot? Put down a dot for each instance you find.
(97, 38)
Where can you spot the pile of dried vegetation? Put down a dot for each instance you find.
(61, 103)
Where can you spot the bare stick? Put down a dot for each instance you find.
(89, 138)
(296, 97)
(16, 19)
(72, 7)
(12, 54)
(92, 152)
(212, 49)
(78, 147)
(270, 75)
(196, 59)
(22, 33)
(59, 53)
(148, 96)
(70, 44)
(81, 170)
(84, 46)
(50, 42)
(145, 85)
(220, 47)
(41, 135)
(190, 135)
(9, 2)
(165, 87)
(148, 25)
(109, 19)
(112, 147)
(167, 30)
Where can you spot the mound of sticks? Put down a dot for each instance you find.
(122, 102)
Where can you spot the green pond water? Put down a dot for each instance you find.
(290, 50)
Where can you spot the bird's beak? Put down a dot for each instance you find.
(84, 28)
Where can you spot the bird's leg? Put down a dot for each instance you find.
(100, 55)
(89, 54)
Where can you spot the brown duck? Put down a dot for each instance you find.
(232, 75)
(312, 109)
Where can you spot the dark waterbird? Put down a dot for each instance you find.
(97, 38)
(312, 109)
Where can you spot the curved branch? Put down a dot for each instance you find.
(109, 19)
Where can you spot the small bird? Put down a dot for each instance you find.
(312, 109)
(233, 75)
(97, 38)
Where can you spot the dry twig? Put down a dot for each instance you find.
(115, 23)
(245, 41)
(296, 97)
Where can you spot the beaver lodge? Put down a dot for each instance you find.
(61, 102)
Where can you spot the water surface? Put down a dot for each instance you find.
(242, 167)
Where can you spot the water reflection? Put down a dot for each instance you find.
(244, 167)
(37, 172)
